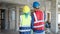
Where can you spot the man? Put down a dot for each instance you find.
(38, 15)
(25, 21)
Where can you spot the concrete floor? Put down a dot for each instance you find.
(14, 32)
(8, 32)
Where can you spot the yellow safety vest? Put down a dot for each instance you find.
(25, 21)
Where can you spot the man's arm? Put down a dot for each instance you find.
(32, 20)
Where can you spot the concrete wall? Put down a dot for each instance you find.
(59, 1)
(9, 23)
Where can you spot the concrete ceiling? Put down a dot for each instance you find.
(23, 2)
(20, 1)
(11, 1)
(28, 2)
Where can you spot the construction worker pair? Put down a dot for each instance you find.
(26, 21)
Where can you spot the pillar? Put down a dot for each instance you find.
(54, 14)
(17, 17)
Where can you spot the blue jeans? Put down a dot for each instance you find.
(25, 32)
(39, 33)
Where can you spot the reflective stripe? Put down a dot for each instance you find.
(39, 21)
(25, 30)
(25, 26)
(35, 16)
(38, 26)
(43, 15)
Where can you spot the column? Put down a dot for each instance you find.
(17, 17)
(54, 14)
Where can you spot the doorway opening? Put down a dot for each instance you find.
(2, 19)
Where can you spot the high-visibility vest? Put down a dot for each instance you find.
(25, 23)
(38, 20)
